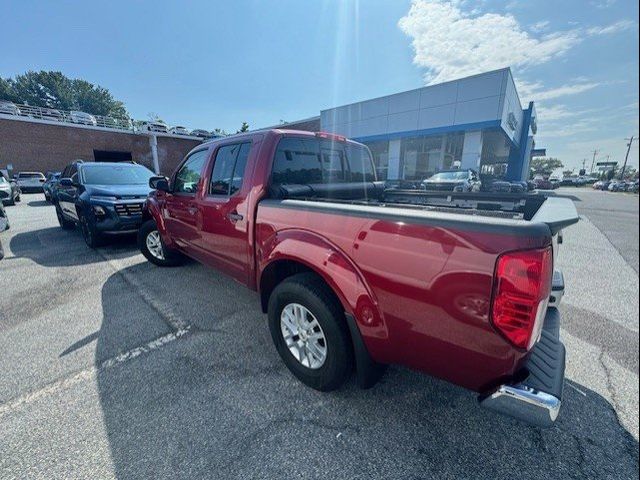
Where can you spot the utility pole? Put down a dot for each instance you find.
(626, 157)
(593, 163)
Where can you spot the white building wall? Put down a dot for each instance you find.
(476, 99)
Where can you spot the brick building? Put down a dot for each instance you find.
(39, 145)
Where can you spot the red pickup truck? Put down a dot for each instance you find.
(355, 276)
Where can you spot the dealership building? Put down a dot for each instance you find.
(476, 122)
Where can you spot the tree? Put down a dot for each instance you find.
(545, 165)
(55, 90)
(243, 128)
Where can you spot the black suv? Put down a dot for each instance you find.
(103, 198)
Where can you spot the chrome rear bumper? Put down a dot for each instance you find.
(537, 399)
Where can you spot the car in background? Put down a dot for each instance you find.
(555, 182)
(51, 114)
(453, 180)
(158, 127)
(104, 198)
(543, 184)
(9, 108)
(11, 189)
(30, 181)
(82, 118)
(47, 187)
(597, 185)
(617, 186)
(198, 132)
(178, 130)
(4, 221)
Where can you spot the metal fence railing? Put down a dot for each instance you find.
(79, 118)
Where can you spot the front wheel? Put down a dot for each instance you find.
(91, 236)
(152, 247)
(310, 333)
(64, 223)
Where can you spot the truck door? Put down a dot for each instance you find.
(224, 211)
(181, 211)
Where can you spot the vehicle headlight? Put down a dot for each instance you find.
(99, 211)
(104, 198)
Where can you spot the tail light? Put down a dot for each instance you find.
(521, 294)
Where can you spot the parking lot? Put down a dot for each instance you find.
(115, 368)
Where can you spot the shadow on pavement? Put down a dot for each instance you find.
(218, 402)
(39, 203)
(55, 247)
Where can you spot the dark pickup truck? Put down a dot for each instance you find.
(457, 285)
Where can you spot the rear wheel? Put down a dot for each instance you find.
(64, 223)
(153, 248)
(310, 333)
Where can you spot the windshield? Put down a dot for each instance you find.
(31, 175)
(463, 175)
(116, 175)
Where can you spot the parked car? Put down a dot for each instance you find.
(453, 181)
(47, 187)
(351, 277)
(9, 108)
(4, 221)
(30, 181)
(51, 114)
(11, 189)
(496, 186)
(543, 184)
(198, 132)
(82, 118)
(103, 198)
(158, 127)
(179, 131)
(617, 186)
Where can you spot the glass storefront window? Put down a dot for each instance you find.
(422, 157)
(496, 149)
(380, 154)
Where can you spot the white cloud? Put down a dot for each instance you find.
(616, 27)
(603, 3)
(537, 92)
(540, 26)
(450, 43)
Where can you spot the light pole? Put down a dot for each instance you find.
(626, 157)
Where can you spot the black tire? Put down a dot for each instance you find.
(18, 199)
(310, 291)
(91, 236)
(64, 223)
(12, 201)
(171, 257)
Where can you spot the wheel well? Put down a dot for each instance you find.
(276, 273)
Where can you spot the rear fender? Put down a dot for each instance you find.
(338, 271)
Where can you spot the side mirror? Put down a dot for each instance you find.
(66, 182)
(159, 183)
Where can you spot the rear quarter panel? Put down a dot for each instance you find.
(420, 293)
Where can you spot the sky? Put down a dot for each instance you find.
(214, 64)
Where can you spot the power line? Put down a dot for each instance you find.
(593, 163)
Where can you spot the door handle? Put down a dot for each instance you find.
(234, 216)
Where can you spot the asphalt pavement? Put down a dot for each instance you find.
(115, 368)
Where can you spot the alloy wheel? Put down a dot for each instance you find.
(303, 336)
